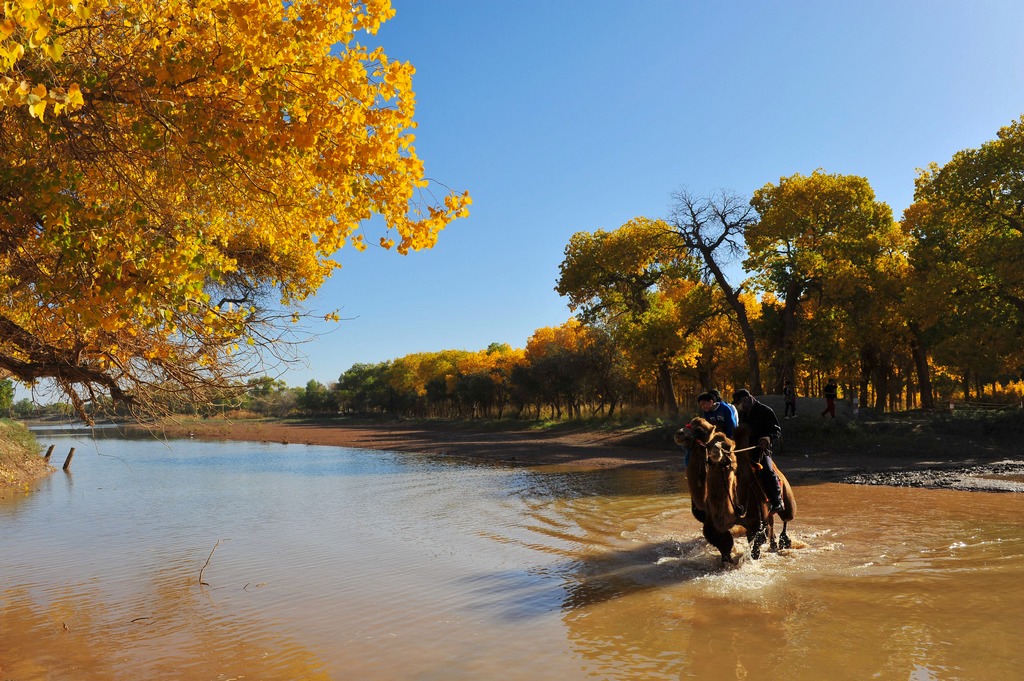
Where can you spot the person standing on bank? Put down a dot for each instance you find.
(789, 392)
(831, 392)
(765, 432)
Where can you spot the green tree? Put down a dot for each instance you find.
(365, 388)
(317, 399)
(266, 395)
(6, 395)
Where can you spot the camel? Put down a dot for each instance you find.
(726, 494)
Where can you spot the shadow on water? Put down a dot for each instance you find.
(593, 579)
(615, 574)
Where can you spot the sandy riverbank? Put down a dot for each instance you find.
(947, 462)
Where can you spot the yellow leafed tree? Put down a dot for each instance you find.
(171, 167)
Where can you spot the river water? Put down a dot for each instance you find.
(334, 563)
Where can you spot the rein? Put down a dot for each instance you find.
(741, 510)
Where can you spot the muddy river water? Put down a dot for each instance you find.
(220, 561)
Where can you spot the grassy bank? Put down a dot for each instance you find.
(20, 462)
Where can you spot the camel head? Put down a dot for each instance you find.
(698, 430)
(720, 449)
(720, 452)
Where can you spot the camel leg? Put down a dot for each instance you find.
(769, 533)
(720, 540)
(784, 540)
(756, 540)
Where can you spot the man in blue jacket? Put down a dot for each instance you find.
(715, 393)
(765, 432)
(718, 413)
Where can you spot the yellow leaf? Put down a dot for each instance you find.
(37, 109)
(75, 96)
(81, 8)
(39, 36)
(54, 50)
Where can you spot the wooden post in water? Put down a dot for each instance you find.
(46, 457)
(67, 461)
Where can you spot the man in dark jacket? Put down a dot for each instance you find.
(765, 432)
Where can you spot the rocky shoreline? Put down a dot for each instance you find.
(1003, 476)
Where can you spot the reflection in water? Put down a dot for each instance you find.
(346, 564)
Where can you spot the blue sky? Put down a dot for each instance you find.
(567, 115)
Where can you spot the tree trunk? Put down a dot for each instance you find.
(881, 381)
(706, 225)
(753, 362)
(924, 380)
(785, 357)
(868, 361)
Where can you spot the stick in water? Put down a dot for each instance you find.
(201, 582)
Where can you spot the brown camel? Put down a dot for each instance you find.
(725, 492)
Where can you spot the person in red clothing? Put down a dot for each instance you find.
(831, 392)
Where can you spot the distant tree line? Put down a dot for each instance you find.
(904, 314)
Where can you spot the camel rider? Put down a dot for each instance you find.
(718, 398)
(718, 414)
(765, 431)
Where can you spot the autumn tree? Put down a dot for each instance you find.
(826, 237)
(968, 223)
(176, 173)
(713, 228)
(714, 354)
(613, 277)
(562, 368)
(483, 380)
